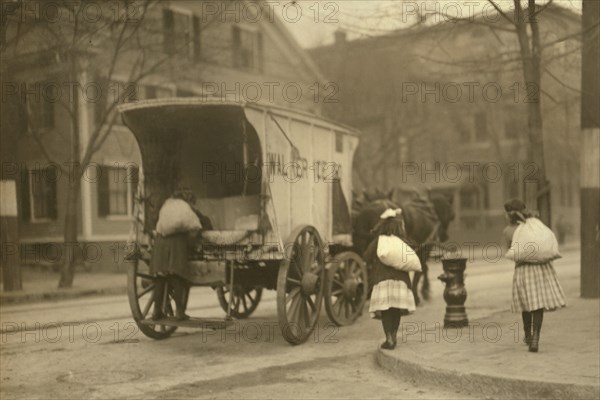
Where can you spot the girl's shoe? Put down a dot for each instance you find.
(535, 340)
(388, 346)
(527, 340)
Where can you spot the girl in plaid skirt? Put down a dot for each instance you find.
(392, 296)
(535, 285)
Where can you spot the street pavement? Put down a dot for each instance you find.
(88, 347)
(489, 356)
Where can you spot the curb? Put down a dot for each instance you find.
(21, 298)
(488, 385)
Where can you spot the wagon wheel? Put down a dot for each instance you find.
(140, 287)
(245, 300)
(300, 285)
(346, 288)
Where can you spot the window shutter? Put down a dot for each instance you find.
(237, 44)
(168, 31)
(51, 196)
(196, 37)
(25, 199)
(259, 52)
(103, 206)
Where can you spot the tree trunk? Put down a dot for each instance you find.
(537, 192)
(71, 245)
(71, 248)
(590, 152)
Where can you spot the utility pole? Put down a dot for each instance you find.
(590, 150)
(9, 223)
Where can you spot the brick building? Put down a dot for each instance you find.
(237, 50)
(445, 108)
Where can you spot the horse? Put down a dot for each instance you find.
(426, 221)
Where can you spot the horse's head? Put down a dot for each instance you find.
(366, 216)
(444, 209)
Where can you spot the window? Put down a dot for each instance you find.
(481, 133)
(40, 105)
(511, 183)
(181, 33)
(247, 49)
(117, 187)
(38, 194)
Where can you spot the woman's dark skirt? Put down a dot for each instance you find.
(170, 255)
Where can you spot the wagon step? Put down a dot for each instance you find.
(204, 323)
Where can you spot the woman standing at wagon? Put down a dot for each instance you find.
(177, 227)
(535, 284)
(392, 296)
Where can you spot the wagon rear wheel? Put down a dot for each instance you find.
(300, 285)
(244, 302)
(140, 288)
(346, 288)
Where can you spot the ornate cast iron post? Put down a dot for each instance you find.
(455, 292)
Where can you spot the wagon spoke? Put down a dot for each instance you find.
(343, 271)
(145, 276)
(305, 313)
(294, 308)
(237, 304)
(336, 292)
(149, 288)
(311, 303)
(338, 303)
(300, 315)
(292, 295)
(298, 268)
(304, 260)
(336, 282)
(293, 281)
(147, 306)
(169, 308)
(244, 303)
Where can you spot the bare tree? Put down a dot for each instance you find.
(122, 42)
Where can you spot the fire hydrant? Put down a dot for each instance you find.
(455, 292)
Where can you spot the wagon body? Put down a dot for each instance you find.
(254, 168)
(272, 180)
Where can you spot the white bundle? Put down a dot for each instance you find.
(533, 242)
(394, 252)
(176, 216)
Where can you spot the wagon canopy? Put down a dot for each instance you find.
(251, 166)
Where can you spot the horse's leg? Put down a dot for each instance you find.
(425, 288)
(415, 286)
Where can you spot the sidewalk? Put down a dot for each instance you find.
(43, 286)
(489, 358)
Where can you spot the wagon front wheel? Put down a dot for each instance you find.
(140, 290)
(346, 288)
(243, 301)
(300, 285)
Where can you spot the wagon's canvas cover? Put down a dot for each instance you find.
(305, 163)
